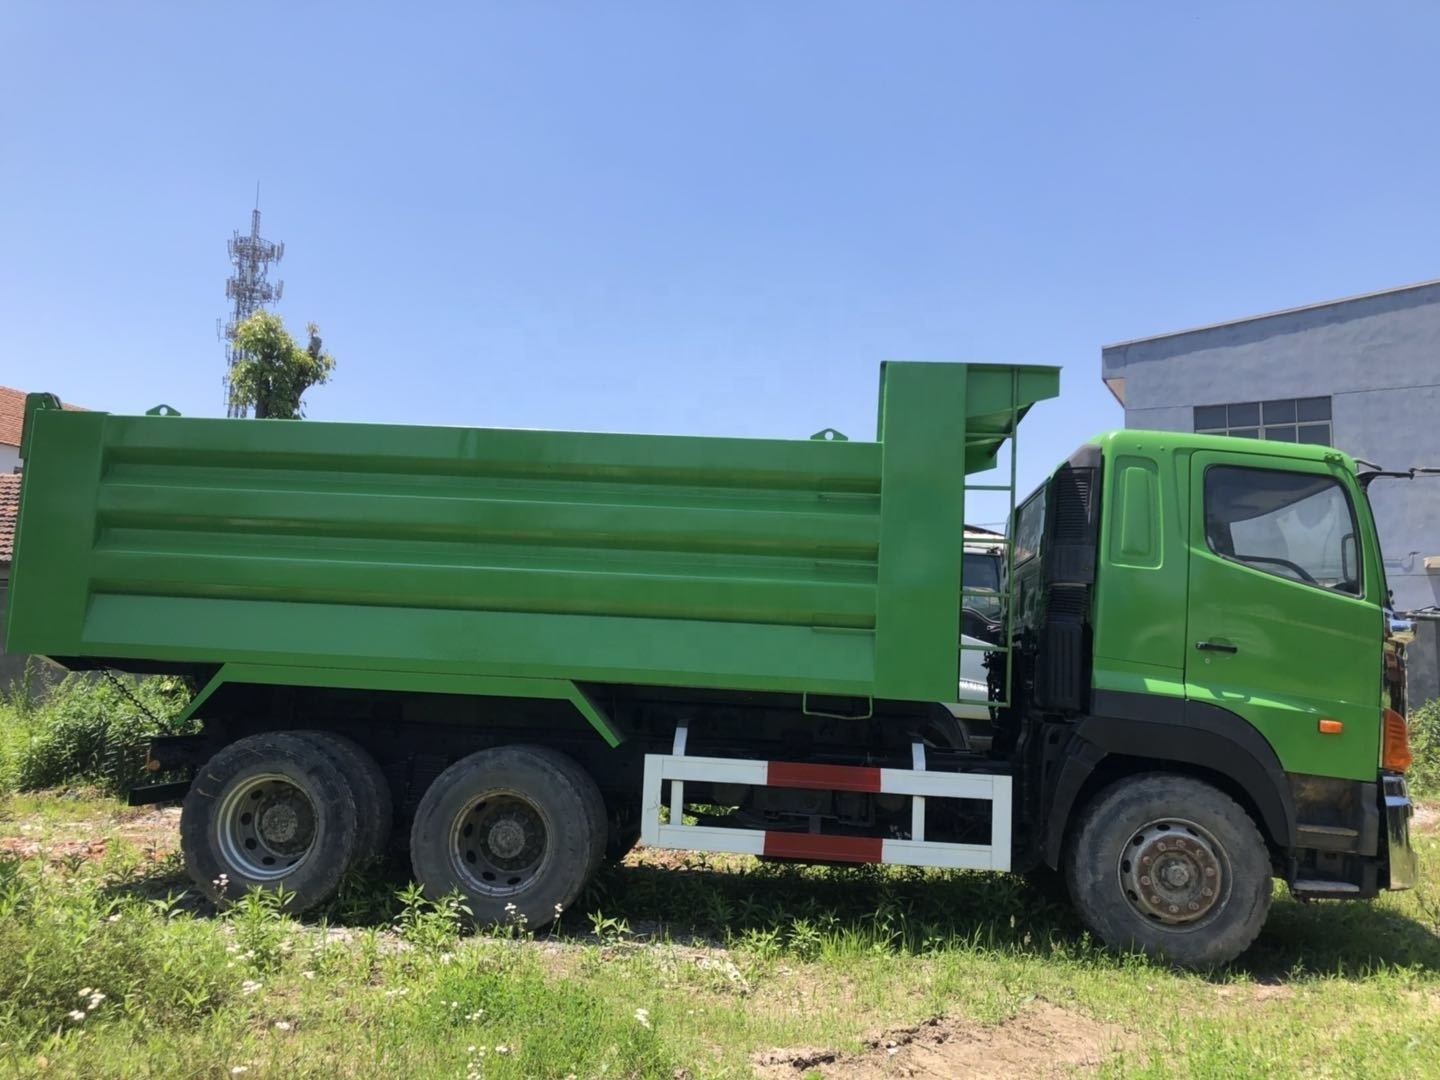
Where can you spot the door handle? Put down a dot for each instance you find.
(1215, 646)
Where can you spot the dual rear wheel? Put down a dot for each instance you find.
(515, 830)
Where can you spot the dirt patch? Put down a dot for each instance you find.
(155, 832)
(1257, 993)
(1044, 1040)
(1426, 819)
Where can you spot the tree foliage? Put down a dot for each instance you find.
(271, 371)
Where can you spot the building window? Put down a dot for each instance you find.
(1293, 420)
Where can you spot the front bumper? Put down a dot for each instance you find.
(1402, 864)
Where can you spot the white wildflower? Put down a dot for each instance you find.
(76, 1015)
(502, 1050)
(284, 1025)
(447, 958)
(307, 974)
(642, 1017)
(237, 1070)
(95, 999)
(249, 986)
(114, 918)
(86, 992)
(472, 1017)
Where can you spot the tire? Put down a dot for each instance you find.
(271, 811)
(372, 790)
(1193, 833)
(517, 830)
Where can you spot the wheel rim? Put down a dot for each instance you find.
(266, 827)
(499, 844)
(1174, 872)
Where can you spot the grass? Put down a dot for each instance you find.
(674, 966)
(85, 729)
(677, 965)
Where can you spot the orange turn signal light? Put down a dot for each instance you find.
(1395, 748)
(1331, 727)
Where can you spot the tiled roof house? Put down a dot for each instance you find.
(12, 420)
(9, 508)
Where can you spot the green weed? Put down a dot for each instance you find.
(433, 925)
(88, 731)
(1424, 775)
(71, 956)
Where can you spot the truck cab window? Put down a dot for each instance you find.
(1297, 526)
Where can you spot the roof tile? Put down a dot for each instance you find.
(9, 510)
(12, 415)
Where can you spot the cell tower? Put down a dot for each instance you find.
(248, 290)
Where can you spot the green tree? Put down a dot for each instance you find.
(271, 370)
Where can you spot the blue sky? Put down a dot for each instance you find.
(697, 218)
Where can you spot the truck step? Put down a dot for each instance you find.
(1323, 890)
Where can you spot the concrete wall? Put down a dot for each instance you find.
(44, 673)
(1378, 358)
(9, 458)
(1422, 680)
(11, 667)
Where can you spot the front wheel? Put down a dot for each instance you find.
(1172, 867)
(517, 830)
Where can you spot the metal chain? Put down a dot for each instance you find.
(129, 694)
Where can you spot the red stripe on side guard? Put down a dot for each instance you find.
(856, 849)
(823, 777)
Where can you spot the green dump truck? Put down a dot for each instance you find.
(519, 653)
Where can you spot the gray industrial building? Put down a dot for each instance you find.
(1361, 374)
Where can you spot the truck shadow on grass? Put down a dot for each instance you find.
(805, 912)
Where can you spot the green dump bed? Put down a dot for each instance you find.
(822, 566)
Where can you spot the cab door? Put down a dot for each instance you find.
(1284, 622)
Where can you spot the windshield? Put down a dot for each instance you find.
(981, 570)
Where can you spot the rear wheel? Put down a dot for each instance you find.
(372, 790)
(271, 811)
(1172, 867)
(517, 830)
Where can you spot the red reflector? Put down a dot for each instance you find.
(791, 774)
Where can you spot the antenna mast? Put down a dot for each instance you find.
(248, 291)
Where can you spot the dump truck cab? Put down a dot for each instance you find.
(1215, 607)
